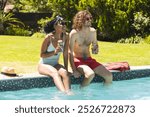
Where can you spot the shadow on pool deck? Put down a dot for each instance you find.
(35, 80)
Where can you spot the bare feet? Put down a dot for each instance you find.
(68, 92)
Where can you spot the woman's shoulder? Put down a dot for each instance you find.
(67, 34)
(49, 36)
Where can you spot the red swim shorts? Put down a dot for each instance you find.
(92, 63)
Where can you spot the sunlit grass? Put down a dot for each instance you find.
(135, 54)
(23, 53)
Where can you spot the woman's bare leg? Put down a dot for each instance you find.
(52, 72)
(64, 74)
(65, 78)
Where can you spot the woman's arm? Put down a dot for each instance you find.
(71, 49)
(44, 47)
(65, 51)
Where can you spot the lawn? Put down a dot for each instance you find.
(22, 53)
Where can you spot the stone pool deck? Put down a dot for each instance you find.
(35, 80)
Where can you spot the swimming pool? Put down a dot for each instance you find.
(135, 89)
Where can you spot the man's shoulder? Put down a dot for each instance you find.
(92, 29)
(73, 32)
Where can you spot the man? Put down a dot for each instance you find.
(81, 37)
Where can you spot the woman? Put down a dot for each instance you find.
(50, 53)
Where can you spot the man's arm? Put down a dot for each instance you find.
(94, 42)
(72, 39)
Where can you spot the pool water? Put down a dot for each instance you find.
(135, 89)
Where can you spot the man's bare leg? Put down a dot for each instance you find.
(102, 71)
(88, 74)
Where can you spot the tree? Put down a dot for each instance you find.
(2, 6)
(32, 6)
(7, 19)
(66, 8)
(114, 19)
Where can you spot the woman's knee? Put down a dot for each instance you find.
(66, 77)
(54, 73)
(39, 68)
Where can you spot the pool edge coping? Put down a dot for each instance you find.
(39, 81)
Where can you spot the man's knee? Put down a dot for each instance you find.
(109, 77)
(90, 75)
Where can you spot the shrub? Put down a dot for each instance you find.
(42, 22)
(141, 23)
(147, 39)
(7, 20)
(38, 35)
(18, 31)
(133, 40)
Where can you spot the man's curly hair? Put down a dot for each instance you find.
(79, 19)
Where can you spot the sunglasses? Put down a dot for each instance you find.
(61, 22)
(88, 18)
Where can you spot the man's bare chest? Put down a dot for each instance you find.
(85, 40)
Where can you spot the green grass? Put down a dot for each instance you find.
(20, 52)
(23, 53)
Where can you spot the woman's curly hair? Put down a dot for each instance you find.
(79, 19)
